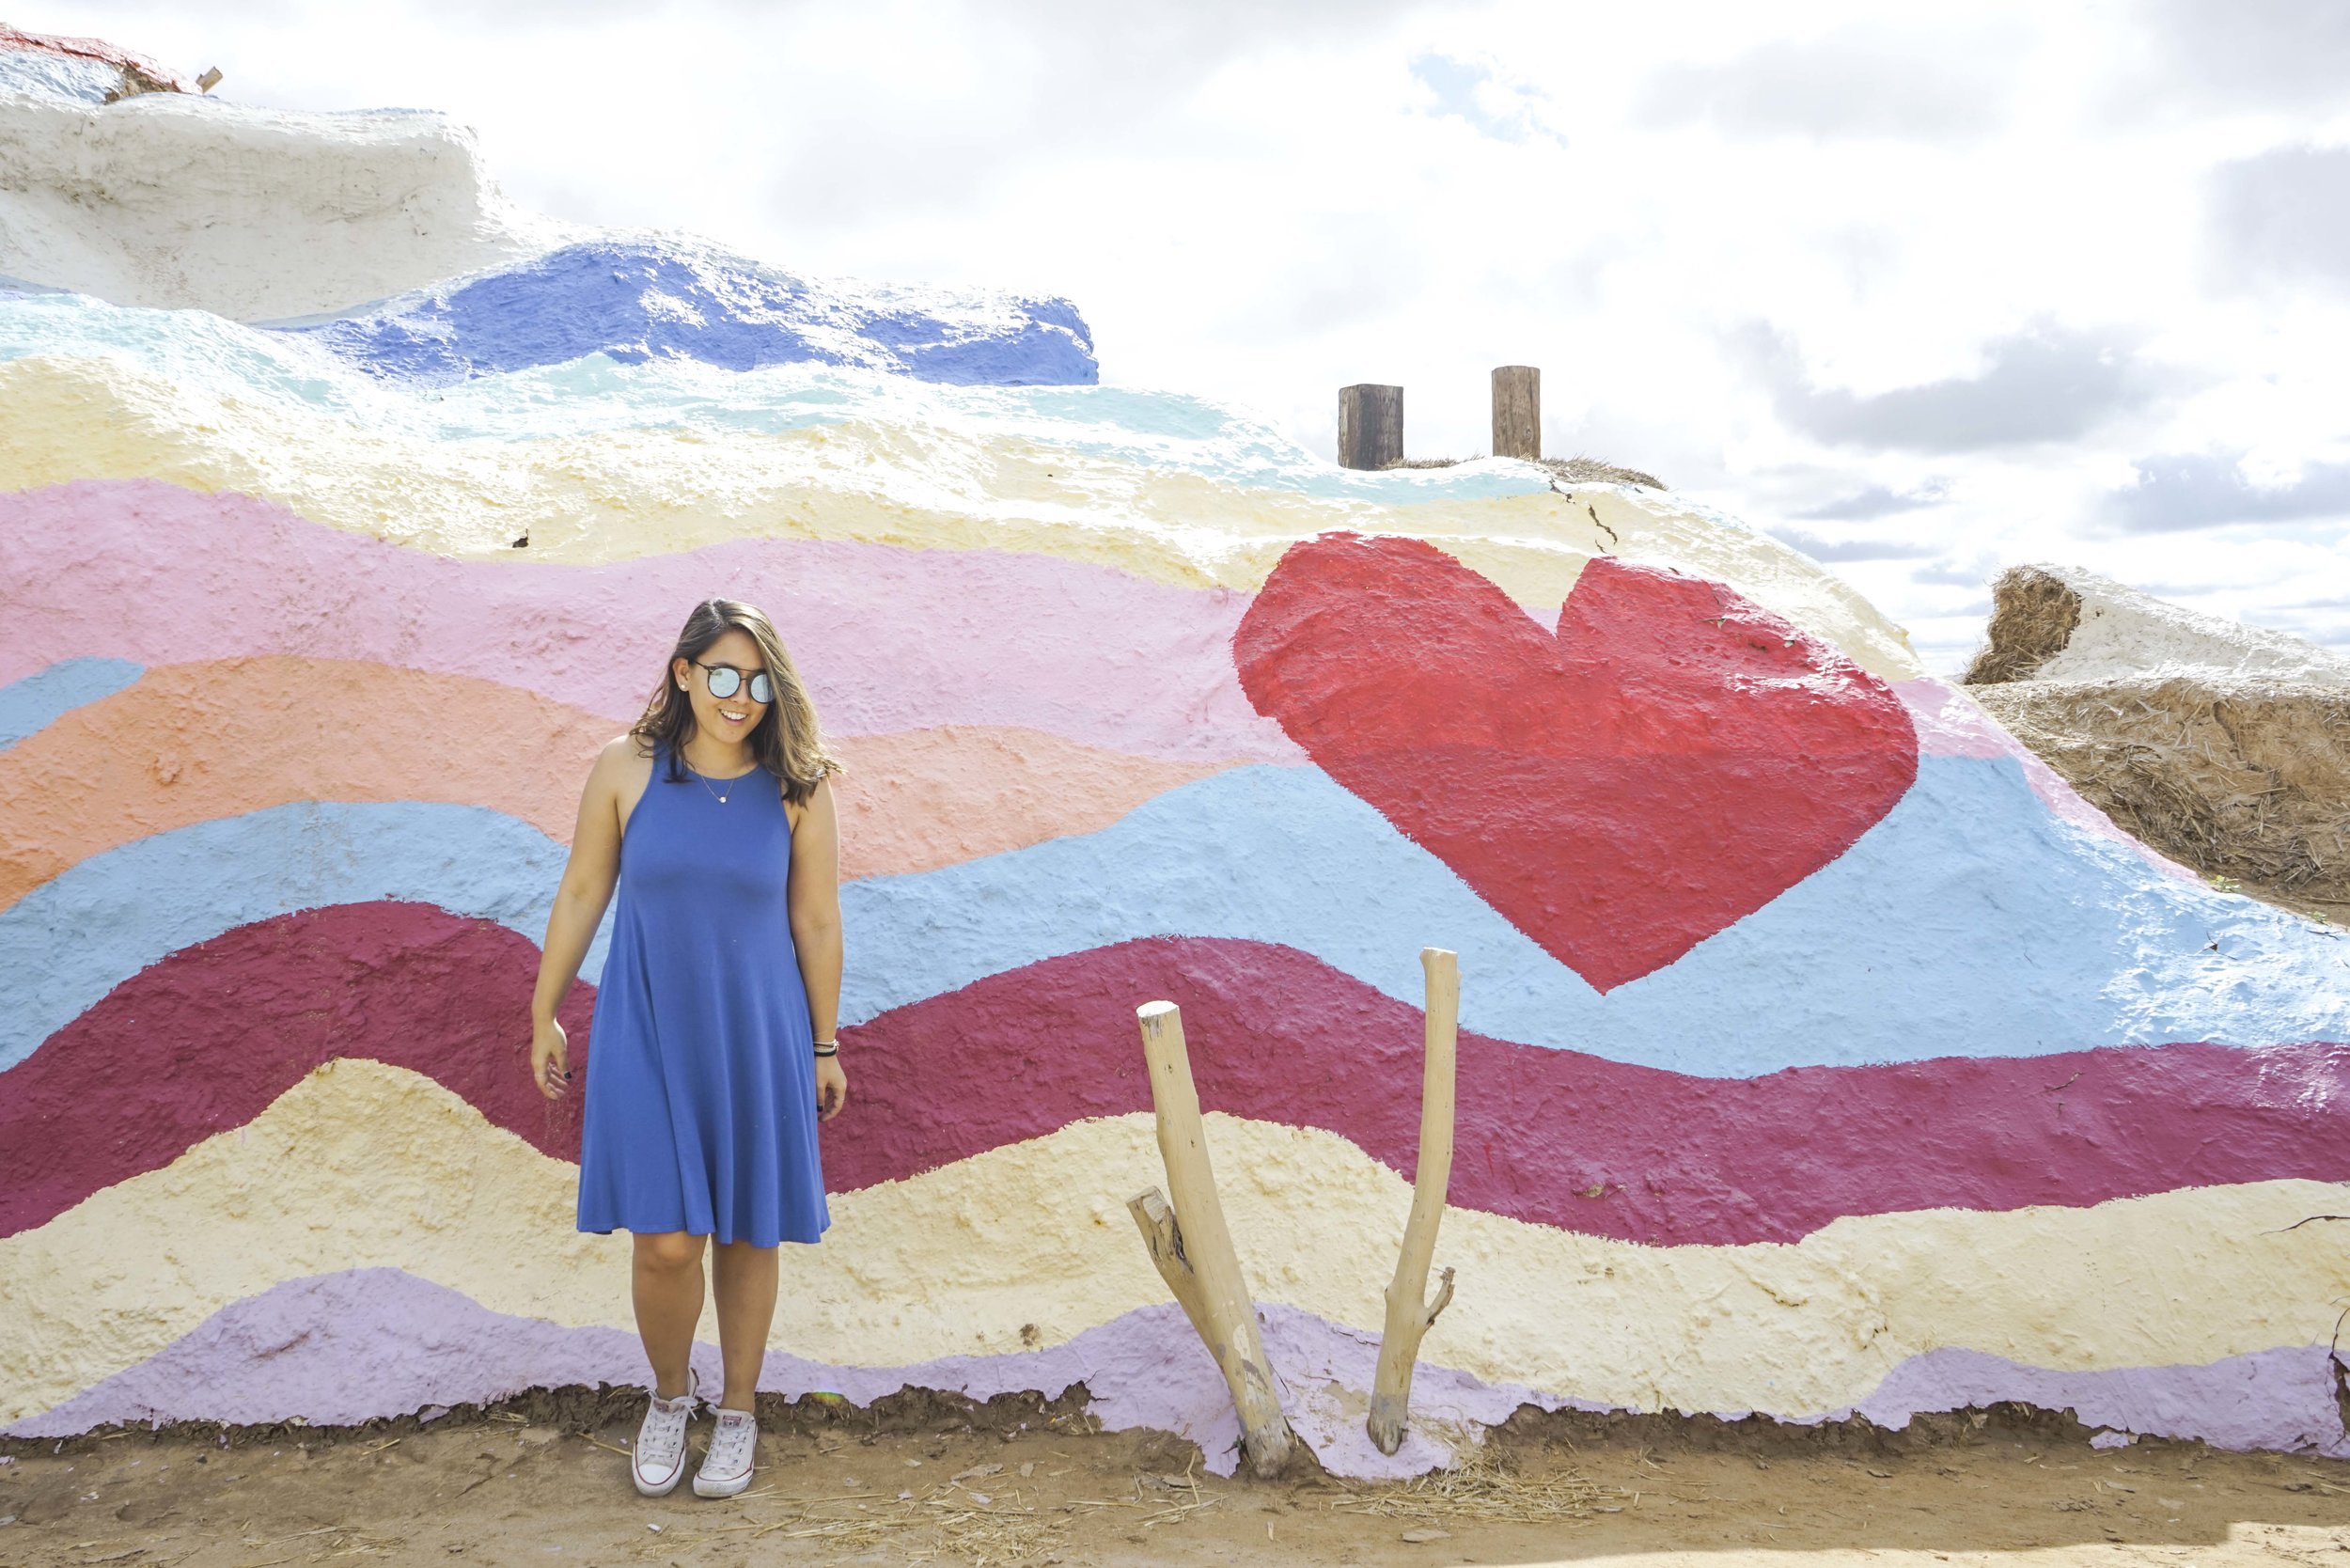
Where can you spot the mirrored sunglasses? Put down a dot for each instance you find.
(724, 680)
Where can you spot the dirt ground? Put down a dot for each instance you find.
(544, 1481)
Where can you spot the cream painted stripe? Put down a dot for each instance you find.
(616, 494)
(366, 1164)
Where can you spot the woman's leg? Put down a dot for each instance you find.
(666, 1282)
(744, 1279)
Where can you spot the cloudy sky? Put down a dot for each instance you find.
(1926, 289)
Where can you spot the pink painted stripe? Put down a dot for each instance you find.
(338, 1348)
(888, 639)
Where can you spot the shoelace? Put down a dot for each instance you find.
(730, 1445)
(662, 1437)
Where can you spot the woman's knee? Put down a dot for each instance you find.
(669, 1249)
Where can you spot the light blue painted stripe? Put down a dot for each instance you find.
(73, 939)
(1966, 923)
(39, 701)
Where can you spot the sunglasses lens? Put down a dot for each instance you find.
(724, 682)
(762, 690)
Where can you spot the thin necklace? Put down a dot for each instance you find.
(705, 783)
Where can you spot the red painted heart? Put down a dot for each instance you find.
(1671, 761)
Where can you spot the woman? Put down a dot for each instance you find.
(713, 1053)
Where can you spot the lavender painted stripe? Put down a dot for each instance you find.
(2278, 1399)
(337, 1349)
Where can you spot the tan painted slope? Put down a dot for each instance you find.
(615, 494)
(363, 1163)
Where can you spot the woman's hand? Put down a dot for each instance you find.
(832, 1087)
(550, 1064)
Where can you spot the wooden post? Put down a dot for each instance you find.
(1370, 426)
(1518, 412)
(1194, 1250)
(1409, 1316)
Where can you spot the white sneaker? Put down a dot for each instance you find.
(658, 1459)
(726, 1466)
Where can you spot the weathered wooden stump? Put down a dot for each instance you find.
(1518, 412)
(1370, 426)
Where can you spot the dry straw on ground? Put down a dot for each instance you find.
(1485, 1487)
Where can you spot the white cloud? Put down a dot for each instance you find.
(1864, 81)
(2281, 218)
(2196, 490)
(2046, 384)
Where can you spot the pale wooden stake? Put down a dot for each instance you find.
(1193, 1250)
(1408, 1314)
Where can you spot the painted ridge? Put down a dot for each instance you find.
(341, 1349)
(1861, 963)
(608, 496)
(209, 1038)
(644, 299)
(954, 1262)
(1127, 428)
(891, 639)
(234, 736)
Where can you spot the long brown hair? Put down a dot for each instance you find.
(787, 740)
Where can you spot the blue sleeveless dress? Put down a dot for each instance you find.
(701, 1084)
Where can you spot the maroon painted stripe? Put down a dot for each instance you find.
(1574, 1140)
(206, 1038)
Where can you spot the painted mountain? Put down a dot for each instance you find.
(1823, 1052)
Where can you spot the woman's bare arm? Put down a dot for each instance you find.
(814, 893)
(588, 877)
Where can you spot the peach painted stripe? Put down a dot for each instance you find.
(197, 742)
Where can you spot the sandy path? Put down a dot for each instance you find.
(505, 1488)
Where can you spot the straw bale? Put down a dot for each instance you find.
(2033, 615)
(2226, 747)
(2241, 779)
